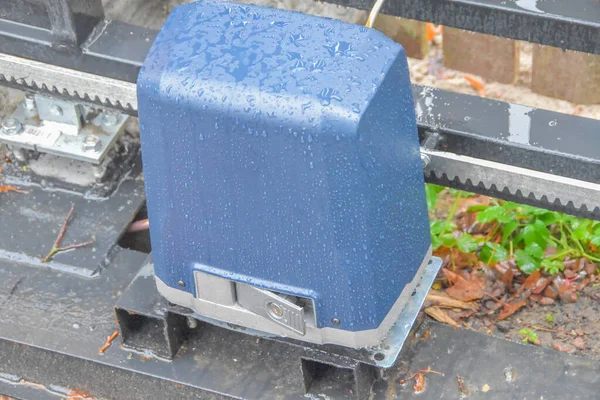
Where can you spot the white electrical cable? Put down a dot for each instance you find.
(374, 12)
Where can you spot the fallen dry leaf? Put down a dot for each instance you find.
(419, 385)
(463, 389)
(507, 278)
(8, 188)
(448, 302)
(465, 290)
(532, 280)
(551, 292)
(440, 315)
(455, 258)
(563, 347)
(570, 274)
(590, 268)
(541, 284)
(583, 284)
(510, 308)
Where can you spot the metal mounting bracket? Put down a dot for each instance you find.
(272, 306)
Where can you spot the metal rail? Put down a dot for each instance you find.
(509, 134)
(573, 25)
(75, 34)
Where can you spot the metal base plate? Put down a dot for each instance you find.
(46, 137)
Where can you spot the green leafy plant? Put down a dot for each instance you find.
(536, 238)
(549, 317)
(528, 336)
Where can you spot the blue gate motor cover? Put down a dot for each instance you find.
(281, 150)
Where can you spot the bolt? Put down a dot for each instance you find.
(335, 321)
(11, 126)
(425, 160)
(91, 143)
(181, 283)
(275, 310)
(98, 171)
(29, 101)
(56, 110)
(109, 118)
(192, 323)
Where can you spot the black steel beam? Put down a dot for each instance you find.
(573, 25)
(117, 50)
(522, 136)
(511, 134)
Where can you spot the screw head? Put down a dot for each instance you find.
(336, 321)
(274, 310)
(92, 143)
(181, 283)
(425, 160)
(56, 110)
(11, 126)
(109, 118)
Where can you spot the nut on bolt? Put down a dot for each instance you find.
(11, 126)
(56, 110)
(109, 118)
(30, 102)
(425, 160)
(92, 143)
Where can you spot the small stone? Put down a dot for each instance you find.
(490, 304)
(563, 347)
(579, 343)
(486, 388)
(579, 332)
(503, 326)
(546, 301)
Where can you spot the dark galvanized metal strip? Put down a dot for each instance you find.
(573, 25)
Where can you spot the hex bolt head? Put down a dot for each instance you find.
(11, 126)
(335, 321)
(181, 283)
(56, 110)
(92, 143)
(109, 118)
(425, 160)
(274, 310)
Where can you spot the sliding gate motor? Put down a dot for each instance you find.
(283, 174)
